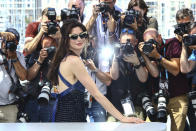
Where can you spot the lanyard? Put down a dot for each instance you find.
(166, 72)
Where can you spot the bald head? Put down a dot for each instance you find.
(150, 33)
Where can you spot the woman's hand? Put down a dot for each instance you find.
(132, 120)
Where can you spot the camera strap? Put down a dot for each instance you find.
(163, 84)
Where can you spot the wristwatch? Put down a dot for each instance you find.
(137, 66)
(14, 60)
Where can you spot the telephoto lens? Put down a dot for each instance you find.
(162, 106)
(44, 96)
(192, 97)
(149, 108)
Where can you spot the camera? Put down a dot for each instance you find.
(192, 97)
(162, 97)
(148, 46)
(127, 48)
(11, 45)
(189, 40)
(104, 7)
(52, 25)
(90, 52)
(148, 107)
(182, 28)
(22, 117)
(70, 13)
(44, 96)
(130, 17)
(50, 50)
(17, 90)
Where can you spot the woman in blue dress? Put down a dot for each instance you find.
(68, 72)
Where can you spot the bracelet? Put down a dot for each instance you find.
(14, 60)
(137, 66)
(95, 71)
(39, 63)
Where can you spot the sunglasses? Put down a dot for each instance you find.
(129, 31)
(81, 35)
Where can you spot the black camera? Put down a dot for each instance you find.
(51, 51)
(18, 90)
(148, 107)
(130, 17)
(148, 46)
(162, 97)
(104, 7)
(123, 49)
(52, 25)
(190, 40)
(127, 48)
(70, 13)
(22, 117)
(44, 96)
(182, 28)
(90, 52)
(11, 45)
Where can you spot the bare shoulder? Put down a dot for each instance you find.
(73, 60)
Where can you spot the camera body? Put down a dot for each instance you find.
(192, 97)
(123, 49)
(50, 50)
(104, 7)
(182, 28)
(44, 96)
(148, 46)
(130, 17)
(11, 45)
(190, 40)
(70, 13)
(52, 25)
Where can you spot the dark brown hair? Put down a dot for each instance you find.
(182, 13)
(63, 48)
(139, 3)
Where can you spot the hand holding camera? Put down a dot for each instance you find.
(43, 55)
(111, 23)
(90, 64)
(95, 11)
(132, 58)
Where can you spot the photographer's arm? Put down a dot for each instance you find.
(141, 71)
(151, 66)
(173, 65)
(21, 72)
(33, 71)
(185, 65)
(32, 43)
(93, 18)
(79, 71)
(114, 70)
(104, 77)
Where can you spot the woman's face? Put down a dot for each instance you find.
(77, 39)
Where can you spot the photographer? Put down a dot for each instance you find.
(128, 74)
(35, 31)
(38, 63)
(188, 65)
(167, 53)
(104, 22)
(101, 77)
(13, 68)
(141, 22)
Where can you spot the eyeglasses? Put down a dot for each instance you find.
(129, 31)
(81, 35)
